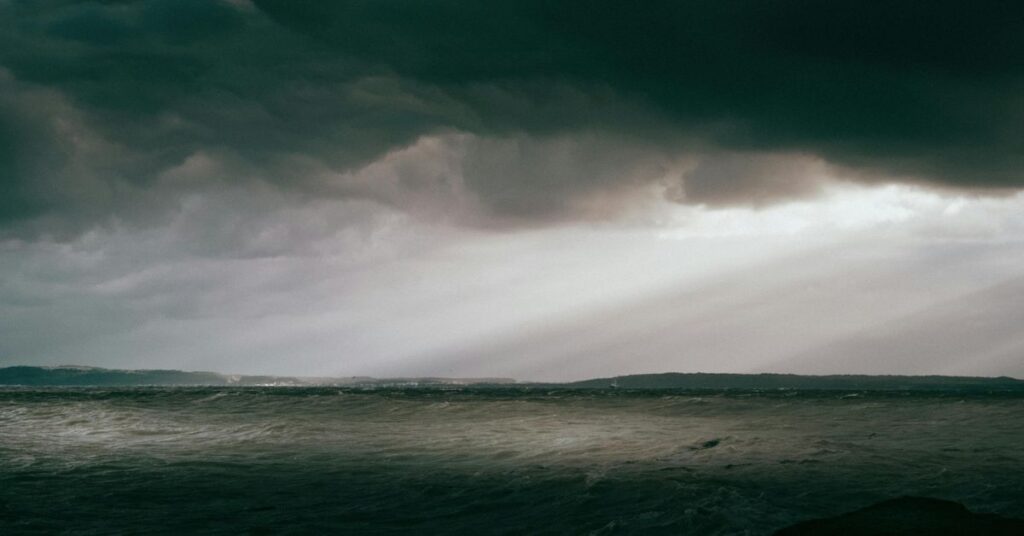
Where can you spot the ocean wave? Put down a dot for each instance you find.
(501, 461)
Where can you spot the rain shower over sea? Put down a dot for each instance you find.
(501, 460)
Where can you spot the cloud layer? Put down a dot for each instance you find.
(551, 110)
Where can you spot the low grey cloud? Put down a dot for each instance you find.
(754, 178)
(548, 111)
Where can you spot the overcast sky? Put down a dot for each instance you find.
(541, 190)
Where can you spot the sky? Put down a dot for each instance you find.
(526, 189)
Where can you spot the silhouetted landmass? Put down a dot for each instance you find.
(88, 376)
(796, 381)
(98, 376)
(914, 516)
(93, 376)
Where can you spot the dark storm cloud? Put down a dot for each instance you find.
(897, 83)
(101, 100)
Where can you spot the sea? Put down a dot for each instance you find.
(476, 461)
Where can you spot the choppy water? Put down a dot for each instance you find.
(511, 461)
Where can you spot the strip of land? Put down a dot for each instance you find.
(102, 377)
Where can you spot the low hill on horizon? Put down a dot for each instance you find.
(70, 375)
(73, 375)
(774, 381)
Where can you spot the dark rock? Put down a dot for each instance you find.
(909, 516)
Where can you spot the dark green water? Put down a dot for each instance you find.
(319, 460)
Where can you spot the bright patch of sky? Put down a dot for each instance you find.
(362, 290)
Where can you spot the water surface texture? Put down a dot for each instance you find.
(490, 461)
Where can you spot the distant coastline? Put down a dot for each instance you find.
(74, 375)
(71, 375)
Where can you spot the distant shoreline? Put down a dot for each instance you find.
(101, 377)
